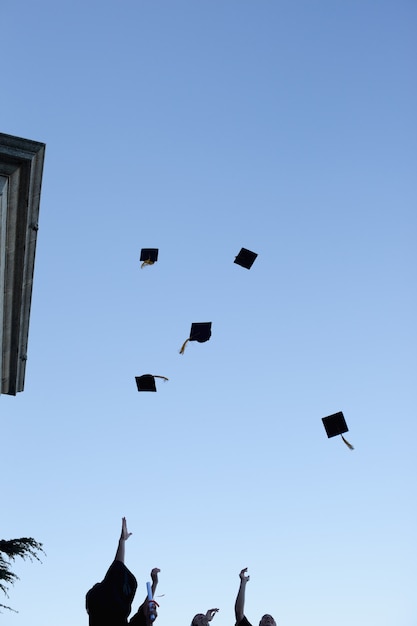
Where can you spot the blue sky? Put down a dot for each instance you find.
(199, 128)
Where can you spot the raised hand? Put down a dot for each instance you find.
(154, 574)
(124, 534)
(211, 613)
(243, 576)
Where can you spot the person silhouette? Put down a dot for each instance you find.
(110, 601)
(241, 619)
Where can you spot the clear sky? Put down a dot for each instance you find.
(199, 127)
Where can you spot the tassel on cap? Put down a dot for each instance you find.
(349, 445)
(183, 346)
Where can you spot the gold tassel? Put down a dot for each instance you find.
(147, 262)
(183, 346)
(164, 378)
(349, 445)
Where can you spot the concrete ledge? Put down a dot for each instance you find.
(21, 168)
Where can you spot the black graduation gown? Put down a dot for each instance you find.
(110, 602)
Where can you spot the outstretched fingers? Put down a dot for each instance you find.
(211, 613)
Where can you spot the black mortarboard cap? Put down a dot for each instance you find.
(334, 425)
(147, 382)
(200, 331)
(148, 256)
(245, 258)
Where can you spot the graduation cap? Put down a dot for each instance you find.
(147, 382)
(148, 256)
(334, 425)
(200, 331)
(245, 258)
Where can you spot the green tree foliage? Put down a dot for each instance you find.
(25, 548)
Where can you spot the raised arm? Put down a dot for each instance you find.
(202, 619)
(142, 616)
(124, 536)
(154, 578)
(240, 599)
(149, 606)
